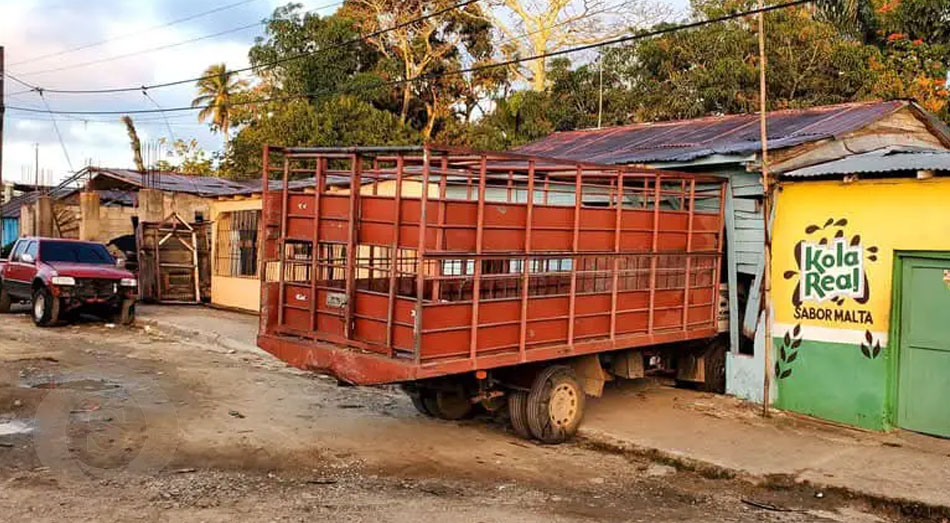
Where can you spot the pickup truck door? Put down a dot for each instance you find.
(18, 274)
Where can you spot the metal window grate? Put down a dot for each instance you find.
(237, 244)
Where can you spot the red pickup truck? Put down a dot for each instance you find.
(61, 278)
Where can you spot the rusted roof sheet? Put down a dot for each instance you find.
(171, 182)
(888, 159)
(688, 140)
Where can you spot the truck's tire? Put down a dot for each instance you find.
(416, 396)
(125, 314)
(518, 413)
(5, 300)
(555, 405)
(715, 363)
(447, 404)
(45, 308)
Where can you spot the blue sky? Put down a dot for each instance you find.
(31, 29)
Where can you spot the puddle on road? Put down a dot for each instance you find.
(86, 385)
(14, 427)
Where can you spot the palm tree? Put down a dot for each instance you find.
(857, 18)
(215, 89)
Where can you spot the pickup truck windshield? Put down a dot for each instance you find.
(72, 252)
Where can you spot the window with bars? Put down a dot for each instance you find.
(236, 253)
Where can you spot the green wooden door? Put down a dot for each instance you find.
(924, 387)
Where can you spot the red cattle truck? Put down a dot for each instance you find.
(481, 278)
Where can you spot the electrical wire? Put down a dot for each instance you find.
(137, 33)
(428, 76)
(58, 134)
(279, 61)
(11, 76)
(163, 47)
(171, 133)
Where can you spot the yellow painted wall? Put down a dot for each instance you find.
(887, 215)
(227, 291)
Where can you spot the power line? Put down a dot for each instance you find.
(565, 22)
(165, 46)
(429, 76)
(9, 75)
(279, 61)
(171, 133)
(58, 134)
(136, 53)
(137, 33)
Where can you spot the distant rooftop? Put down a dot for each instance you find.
(171, 181)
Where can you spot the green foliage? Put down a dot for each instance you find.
(927, 20)
(714, 69)
(832, 52)
(343, 120)
(321, 75)
(215, 90)
(189, 157)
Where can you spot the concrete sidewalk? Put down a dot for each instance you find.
(230, 330)
(693, 429)
(725, 434)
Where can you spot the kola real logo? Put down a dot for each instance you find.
(834, 270)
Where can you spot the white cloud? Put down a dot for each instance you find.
(32, 29)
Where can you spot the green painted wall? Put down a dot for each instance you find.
(835, 381)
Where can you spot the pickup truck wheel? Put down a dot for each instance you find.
(5, 300)
(125, 314)
(555, 405)
(45, 308)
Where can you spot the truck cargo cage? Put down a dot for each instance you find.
(387, 264)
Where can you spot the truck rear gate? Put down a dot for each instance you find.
(393, 264)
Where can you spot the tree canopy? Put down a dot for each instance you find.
(317, 82)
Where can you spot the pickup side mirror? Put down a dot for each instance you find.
(120, 263)
(27, 258)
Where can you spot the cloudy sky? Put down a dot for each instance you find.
(89, 44)
(38, 36)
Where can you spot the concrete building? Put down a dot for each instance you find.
(861, 290)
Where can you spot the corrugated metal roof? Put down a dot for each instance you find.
(11, 209)
(171, 181)
(887, 159)
(688, 140)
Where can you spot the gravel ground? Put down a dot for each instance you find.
(116, 424)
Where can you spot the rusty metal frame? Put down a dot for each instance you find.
(595, 247)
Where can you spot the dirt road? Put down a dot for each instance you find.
(113, 424)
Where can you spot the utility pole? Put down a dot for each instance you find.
(600, 95)
(2, 112)
(766, 216)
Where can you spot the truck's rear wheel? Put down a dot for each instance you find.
(45, 308)
(715, 361)
(447, 404)
(418, 401)
(5, 300)
(518, 413)
(555, 405)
